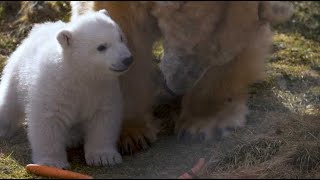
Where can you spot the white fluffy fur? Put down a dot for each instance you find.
(61, 83)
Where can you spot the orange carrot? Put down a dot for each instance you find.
(53, 172)
(194, 171)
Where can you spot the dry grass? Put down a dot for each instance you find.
(306, 157)
(247, 154)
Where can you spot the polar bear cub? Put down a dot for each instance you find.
(64, 76)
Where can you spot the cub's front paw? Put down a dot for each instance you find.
(105, 158)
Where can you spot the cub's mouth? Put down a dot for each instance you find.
(123, 66)
(116, 69)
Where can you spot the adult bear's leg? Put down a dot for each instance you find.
(218, 102)
(138, 84)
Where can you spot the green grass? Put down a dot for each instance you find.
(10, 168)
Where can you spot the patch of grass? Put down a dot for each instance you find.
(293, 49)
(248, 154)
(297, 103)
(3, 60)
(10, 168)
(296, 61)
(307, 157)
(7, 44)
(2, 12)
(41, 11)
(305, 20)
(8, 10)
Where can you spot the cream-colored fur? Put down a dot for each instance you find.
(213, 51)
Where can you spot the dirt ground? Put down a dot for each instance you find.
(282, 136)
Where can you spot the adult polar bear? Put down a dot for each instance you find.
(64, 78)
(212, 52)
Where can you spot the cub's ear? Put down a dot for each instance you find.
(104, 12)
(64, 37)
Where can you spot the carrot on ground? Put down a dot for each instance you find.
(53, 172)
(194, 171)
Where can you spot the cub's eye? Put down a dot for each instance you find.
(102, 48)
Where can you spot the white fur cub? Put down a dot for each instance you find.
(63, 78)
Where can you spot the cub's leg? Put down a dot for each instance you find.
(101, 139)
(102, 133)
(48, 130)
(137, 85)
(11, 109)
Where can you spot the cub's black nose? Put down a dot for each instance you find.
(127, 61)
